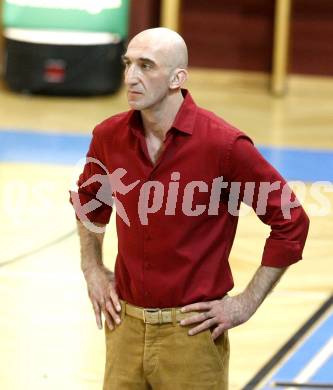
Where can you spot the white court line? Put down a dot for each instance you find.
(318, 360)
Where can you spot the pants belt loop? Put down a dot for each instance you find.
(123, 311)
(173, 316)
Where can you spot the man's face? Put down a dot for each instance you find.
(147, 76)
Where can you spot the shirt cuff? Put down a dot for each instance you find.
(281, 253)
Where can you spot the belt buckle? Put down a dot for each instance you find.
(159, 311)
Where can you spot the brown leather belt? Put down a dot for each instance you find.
(155, 316)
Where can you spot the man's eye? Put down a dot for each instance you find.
(146, 66)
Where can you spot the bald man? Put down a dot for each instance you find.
(166, 306)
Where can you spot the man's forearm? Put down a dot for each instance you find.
(91, 247)
(263, 281)
(101, 283)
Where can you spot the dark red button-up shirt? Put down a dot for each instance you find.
(173, 248)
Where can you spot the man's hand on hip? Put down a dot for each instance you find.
(103, 296)
(222, 314)
(229, 312)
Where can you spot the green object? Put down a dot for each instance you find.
(73, 15)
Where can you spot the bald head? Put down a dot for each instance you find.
(155, 70)
(168, 45)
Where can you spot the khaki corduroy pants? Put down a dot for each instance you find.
(143, 356)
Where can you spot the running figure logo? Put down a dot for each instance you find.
(111, 184)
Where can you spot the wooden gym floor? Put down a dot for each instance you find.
(48, 336)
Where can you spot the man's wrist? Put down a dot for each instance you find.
(249, 301)
(96, 267)
(88, 268)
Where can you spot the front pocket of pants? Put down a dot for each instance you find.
(214, 348)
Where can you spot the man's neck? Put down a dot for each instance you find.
(157, 121)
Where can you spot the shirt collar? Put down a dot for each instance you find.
(184, 121)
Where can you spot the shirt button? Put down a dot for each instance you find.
(147, 265)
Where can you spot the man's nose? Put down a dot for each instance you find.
(131, 75)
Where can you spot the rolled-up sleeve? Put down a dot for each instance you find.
(92, 199)
(279, 209)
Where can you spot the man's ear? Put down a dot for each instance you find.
(178, 78)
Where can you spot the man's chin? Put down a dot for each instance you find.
(135, 105)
